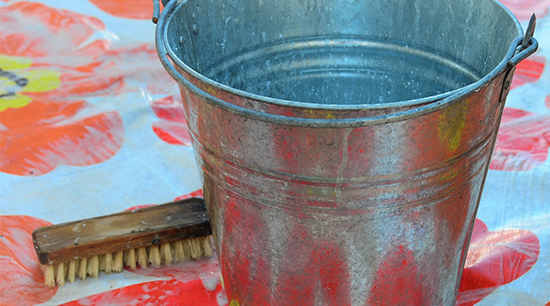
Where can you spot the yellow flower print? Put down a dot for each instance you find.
(234, 303)
(17, 77)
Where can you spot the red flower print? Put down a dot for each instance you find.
(21, 277)
(528, 71)
(547, 101)
(160, 293)
(191, 283)
(44, 122)
(522, 142)
(134, 9)
(196, 193)
(172, 127)
(495, 259)
(28, 30)
(39, 137)
(523, 9)
(86, 68)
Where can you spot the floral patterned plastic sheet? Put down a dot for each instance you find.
(90, 124)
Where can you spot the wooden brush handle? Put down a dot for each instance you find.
(130, 229)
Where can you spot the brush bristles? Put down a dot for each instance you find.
(118, 263)
(71, 274)
(49, 276)
(82, 268)
(130, 259)
(155, 255)
(93, 266)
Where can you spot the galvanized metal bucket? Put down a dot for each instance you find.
(344, 144)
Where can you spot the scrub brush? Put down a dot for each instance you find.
(155, 235)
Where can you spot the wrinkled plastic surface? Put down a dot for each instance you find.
(97, 128)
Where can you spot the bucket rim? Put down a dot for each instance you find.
(170, 8)
(165, 53)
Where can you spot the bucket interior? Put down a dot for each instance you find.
(341, 52)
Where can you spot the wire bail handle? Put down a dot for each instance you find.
(156, 9)
(517, 54)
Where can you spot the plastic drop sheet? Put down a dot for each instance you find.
(98, 128)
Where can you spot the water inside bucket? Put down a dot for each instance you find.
(341, 71)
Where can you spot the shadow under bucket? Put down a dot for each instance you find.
(343, 144)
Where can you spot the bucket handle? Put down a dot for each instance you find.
(527, 38)
(522, 48)
(528, 46)
(156, 10)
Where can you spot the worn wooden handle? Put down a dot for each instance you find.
(130, 229)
